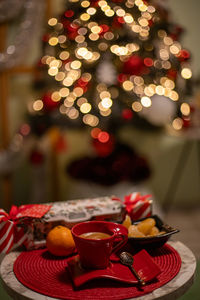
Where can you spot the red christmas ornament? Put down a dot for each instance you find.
(127, 114)
(151, 22)
(183, 55)
(186, 122)
(117, 22)
(104, 28)
(94, 3)
(148, 62)
(69, 13)
(105, 147)
(72, 30)
(134, 66)
(83, 84)
(65, 22)
(121, 78)
(172, 73)
(49, 104)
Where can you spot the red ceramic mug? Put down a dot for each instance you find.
(95, 253)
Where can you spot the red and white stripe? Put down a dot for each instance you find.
(10, 234)
(6, 236)
(138, 206)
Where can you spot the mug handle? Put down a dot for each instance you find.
(124, 238)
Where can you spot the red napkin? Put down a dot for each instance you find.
(143, 264)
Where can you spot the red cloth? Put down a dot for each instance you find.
(48, 275)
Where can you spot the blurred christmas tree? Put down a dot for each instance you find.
(109, 64)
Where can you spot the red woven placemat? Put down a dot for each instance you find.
(41, 272)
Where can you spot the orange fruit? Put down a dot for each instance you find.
(127, 221)
(59, 241)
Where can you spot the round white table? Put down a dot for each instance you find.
(172, 290)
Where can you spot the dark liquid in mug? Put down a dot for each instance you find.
(95, 235)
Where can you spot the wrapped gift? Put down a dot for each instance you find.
(15, 226)
(138, 206)
(30, 224)
(71, 212)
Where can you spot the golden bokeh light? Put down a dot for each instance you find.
(52, 21)
(76, 64)
(185, 109)
(143, 22)
(175, 48)
(68, 103)
(136, 28)
(53, 71)
(62, 109)
(38, 105)
(168, 41)
(64, 92)
(86, 77)
(105, 94)
(90, 120)
(80, 39)
(82, 31)
(106, 113)
(164, 54)
(81, 100)
(174, 96)
(56, 96)
(55, 63)
(73, 113)
(60, 76)
(149, 91)
(109, 13)
(120, 12)
(88, 55)
(64, 55)
(102, 3)
(85, 108)
(53, 41)
(96, 29)
(177, 124)
(127, 85)
(151, 9)
(68, 81)
(106, 102)
(142, 7)
(186, 73)
(160, 90)
(91, 11)
(93, 36)
(85, 17)
(146, 101)
(78, 91)
(136, 106)
(85, 4)
(62, 39)
(82, 51)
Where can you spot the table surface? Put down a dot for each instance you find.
(172, 290)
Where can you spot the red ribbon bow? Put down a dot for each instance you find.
(10, 233)
(136, 205)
